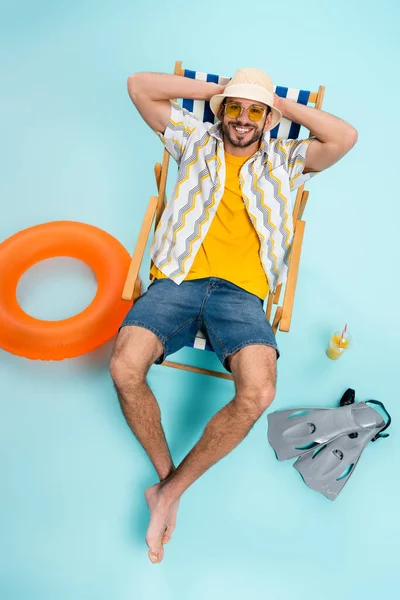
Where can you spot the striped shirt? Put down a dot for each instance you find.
(266, 180)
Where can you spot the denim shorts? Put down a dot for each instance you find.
(230, 317)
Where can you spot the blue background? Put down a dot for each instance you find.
(72, 511)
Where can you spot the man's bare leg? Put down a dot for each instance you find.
(135, 351)
(254, 372)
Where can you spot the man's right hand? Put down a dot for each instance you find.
(151, 93)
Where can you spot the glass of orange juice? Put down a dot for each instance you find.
(338, 344)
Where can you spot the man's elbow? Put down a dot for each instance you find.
(350, 138)
(135, 84)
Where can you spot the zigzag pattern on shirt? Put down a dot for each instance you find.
(281, 199)
(295, 155)
(190, 240)
(186, 165)
(264, 260)
(174, 146)
(164, 238)
(183, 131)
(190, 204)
(186, 131)
(282, 202)
(281, 152)
(266, 214)
(203, 218)
(183, 174)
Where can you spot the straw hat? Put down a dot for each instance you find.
(249, 84)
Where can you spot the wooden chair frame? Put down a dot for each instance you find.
(283, 313)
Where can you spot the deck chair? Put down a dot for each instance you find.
(285, 129)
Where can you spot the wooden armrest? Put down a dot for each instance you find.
(292, 277)
(303, 203)
(157, 173)
(137, 258)
(297, 203)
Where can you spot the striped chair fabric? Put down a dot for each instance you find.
(285, 129)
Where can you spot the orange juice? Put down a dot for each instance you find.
(337, 345)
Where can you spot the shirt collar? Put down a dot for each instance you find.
(215, 131)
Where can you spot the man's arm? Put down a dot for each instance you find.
(334, 136)
(151, 93)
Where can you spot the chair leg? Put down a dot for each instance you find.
(277, 319)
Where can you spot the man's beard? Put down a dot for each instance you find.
(257, 135)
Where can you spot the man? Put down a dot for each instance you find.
(223, 241)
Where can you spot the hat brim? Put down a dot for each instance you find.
(216, 101)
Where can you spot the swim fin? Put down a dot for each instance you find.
(294, 432)
(328, 442)
(328, 468)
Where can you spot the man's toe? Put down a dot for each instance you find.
(156, 555)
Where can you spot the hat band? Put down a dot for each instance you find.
(249, 91)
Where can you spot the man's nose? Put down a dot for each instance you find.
(244, 120)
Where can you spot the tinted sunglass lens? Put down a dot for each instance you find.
(256, 113)
(232, 110)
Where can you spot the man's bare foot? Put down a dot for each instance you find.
(162, 521)
(171, 523)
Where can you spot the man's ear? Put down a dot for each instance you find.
(268, 121)
(221, 112)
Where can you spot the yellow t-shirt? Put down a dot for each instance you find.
(231, 247)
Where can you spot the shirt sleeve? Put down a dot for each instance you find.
(181, 125)
(296, 151)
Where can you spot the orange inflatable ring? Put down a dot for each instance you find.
(33, 338)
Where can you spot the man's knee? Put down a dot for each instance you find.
(257, 398)
(254, 371)
(135, 351)
(124, 371)
(267, 397)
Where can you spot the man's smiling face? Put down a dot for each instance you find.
(242, 131)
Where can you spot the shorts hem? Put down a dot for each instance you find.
(248, 343)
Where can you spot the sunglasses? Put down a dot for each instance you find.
(233, 110)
